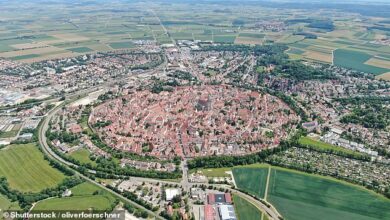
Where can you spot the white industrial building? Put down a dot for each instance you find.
(226, 212)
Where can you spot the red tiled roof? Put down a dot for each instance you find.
(211, 198)
(208, 212)
(228, 198)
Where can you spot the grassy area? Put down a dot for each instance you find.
(26, 170)
(8, 134)
(80, 49)
(215, 172)
(251, 179)
(24, 57)
(83, 198)
(82, 155)
(6, 204)
(245, 210)
(12, 133)
(224, 39)
(355, 60)
(295, 51)
(300, 196)
(252, 35)
(122, 45)
(307, 141)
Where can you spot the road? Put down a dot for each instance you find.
(49, 152)
(271, 212)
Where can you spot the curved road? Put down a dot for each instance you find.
(49, 152)
(271, 212)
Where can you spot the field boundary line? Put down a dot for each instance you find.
(267, 184)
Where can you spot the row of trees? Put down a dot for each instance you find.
(230, 161)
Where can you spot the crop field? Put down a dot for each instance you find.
(245, 210)
(300, 196)
(122, 45)
(379, 62)
(356, 60)
(27, 39)
(385, 76)
(82, 199)
(253, 180)
(295, 51)
(26, 170)
(80, 49)
(224, 38)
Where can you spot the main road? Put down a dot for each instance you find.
(270, 211)
(49, 152)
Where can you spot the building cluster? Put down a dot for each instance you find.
(148, 165)
(19, 124)
(275, 26)
(220, 205)
(194, 121)
(19, 82)
(319, 99)
(334, 137)
(371, 174)
(148, 192)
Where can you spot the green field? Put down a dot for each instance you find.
(300, 196)
(224, 39)
(9, 134)
(82, 199)
(252, 35)
(296, 51)
(82, 155)
(355, 60)
(122, 45)
(245, 210)
(252, 180)
(23, 57)
(26, 170)
(215, 172)
(6, 204)
(320, 145)
(80, 49)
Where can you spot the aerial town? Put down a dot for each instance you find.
(188, 101)
(184, 110)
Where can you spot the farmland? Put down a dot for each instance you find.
(32, 40)
(356, 60)
(85, 196)
(300, 196)
(245, 210)
(252, 180)
(26, 170)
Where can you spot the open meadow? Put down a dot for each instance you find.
(82, 155)
(26, 170)
(85, 196)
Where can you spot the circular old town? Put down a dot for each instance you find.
(194, 121)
